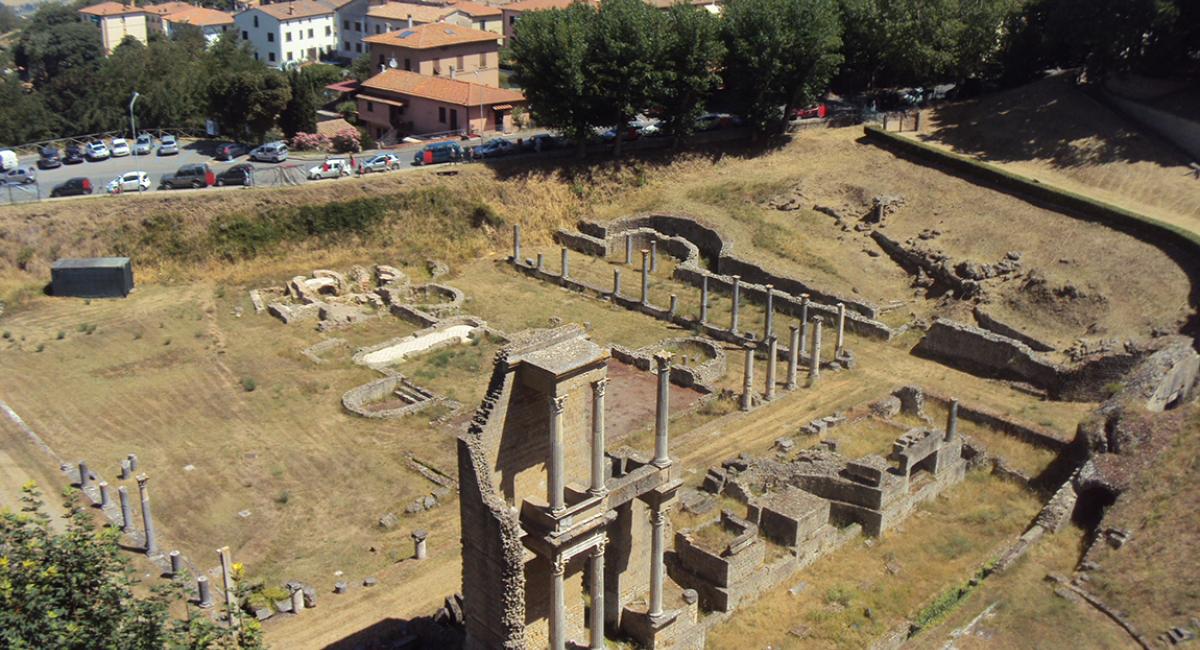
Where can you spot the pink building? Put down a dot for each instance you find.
(398, 103)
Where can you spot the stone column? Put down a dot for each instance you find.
(772, 348)
(703, 299)
(147, 519)
(674, 306)
(793, 357)
(653, 255)
(769, 328)
(419, 537)
(658, 519)
(104, 500)
(541, 261)
(616, 283)
(814, 362)
(297, 600)
(133, 462)
(126, 511)
(125, 471)
(205, 590)
(952, 420)
(596, 618)
(662, 361)
(85, 476)
(733, 316)
(841, 333)
(645, 276)
(558, 633)
(565, 264)
(748, 380)
(598, 387)
(235, 621)
(803, 321)
(554, 482)
(176, 563)
(516, 243)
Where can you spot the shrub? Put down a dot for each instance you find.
(346, 141)
(61, 335)
(248, 384)
(24, 257)
(310, 142)
(283, 498)
(40, 347)
(366, 139)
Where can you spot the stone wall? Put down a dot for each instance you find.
(702, 376)
(989, 322)
(357, 400)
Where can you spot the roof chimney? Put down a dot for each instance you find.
(410, 21)
(453, 73)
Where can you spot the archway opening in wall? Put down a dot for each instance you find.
(1091, 505)
(922, 469)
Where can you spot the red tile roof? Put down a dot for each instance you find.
(536, 5)
(442, 89)
(430, 35)
(111, 9)
(420, 13)
(474, 9)
(296, 9)
(199, 16)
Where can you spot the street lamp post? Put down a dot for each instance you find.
(133, 133)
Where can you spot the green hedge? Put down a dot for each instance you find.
(1076, 205)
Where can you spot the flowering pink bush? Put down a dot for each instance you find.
(310, 142)
(347, 141)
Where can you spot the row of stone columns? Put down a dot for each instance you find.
(798, 333)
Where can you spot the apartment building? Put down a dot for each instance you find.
(440, 49)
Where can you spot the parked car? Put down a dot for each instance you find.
(73, 187)
(144, 145)
(543, 142)
(194, 176)
(270, 152)
(73, 154)
(168, 145)
(242, 174)
(630, 133)
(494, 148)
(440, 152)
(818, 111)
(49, 158)
(21, 175)
(119, 147)
(716, 121)
(381, 163)
(230, 150)
(331, 168)
(129, 182)
(97, 151)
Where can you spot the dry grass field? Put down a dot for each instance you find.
(166, 372)
(1052, 131)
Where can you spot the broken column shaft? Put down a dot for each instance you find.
(205, 592)
(772, 349)
(565, 264)
(616, 283)
(516, 244)
(126, 510)
(793, 357)
(176, 563)
(662, 361)
(85, 476)
(645, 276)
(653, 255)
(703, 299)
(814, 363)
(748, 381)
(147, 518)
(804, 321)
(841, 332)
(952, 420)
(769, 326)
(419, 537)
(733, 315)
(104, 499)
(629, 249)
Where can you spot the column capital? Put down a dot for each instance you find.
(598, 549)
(599, 386)
(558, 403)
(658, 516)
(663, 359)
(558, 565)
(142, 480)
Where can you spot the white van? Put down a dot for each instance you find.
(8, 159)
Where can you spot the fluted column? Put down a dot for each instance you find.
(558, 633)
(596, 620)
(554, 482)
(658, 521)
(598, 389)
(645, 276)
(662, 360)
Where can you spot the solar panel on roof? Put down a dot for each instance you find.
(406, 33)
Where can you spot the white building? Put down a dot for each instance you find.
(303, 30)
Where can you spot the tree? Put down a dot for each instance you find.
(362, 68)
(623, 61)
(550, 64)
(55, 41)
(9, 20)
(692, 52)
(300, 114)
(891, 43)
(247, 103)
(780, 53)
(23, 114)
(74, 590)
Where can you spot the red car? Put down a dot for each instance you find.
(818, 111)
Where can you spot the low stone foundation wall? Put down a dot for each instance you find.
(356, 399)
(989, 322)
(701, 376)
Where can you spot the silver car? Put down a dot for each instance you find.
(22, 175)
(168, 145)
(144, 145)
(270, 152)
